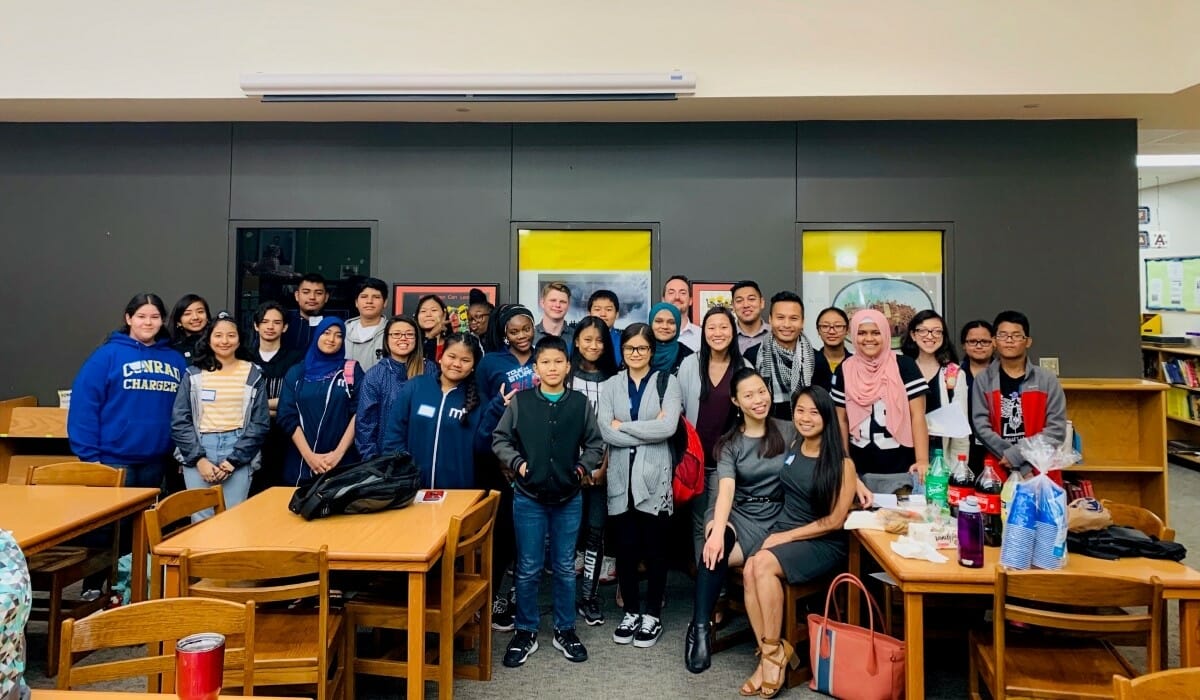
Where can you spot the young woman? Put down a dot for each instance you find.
(880, 400)
(746, 502)
(832, 324)
(364, 333)
(591, 365)
(383, 382)
(668, 351)
(187, 323)
(807, 540)
(928, 344)
(220, 418)
(270, 323)
(636, 423)
(317, 406)
(978, 345)
(431, 317)
(436, 418)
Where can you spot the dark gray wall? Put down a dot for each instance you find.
(1042, 212)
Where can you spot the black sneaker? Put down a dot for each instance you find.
(627, 629)
(589, 610)
(568, 643)
(502, 614)
(522, 645)
(648, 633)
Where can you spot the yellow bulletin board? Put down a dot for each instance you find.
(1173, 284)
(586, 260)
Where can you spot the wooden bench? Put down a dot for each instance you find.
(30, 436)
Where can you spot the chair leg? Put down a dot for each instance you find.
(446, 657)
(53, 623)
(485, 637)
(349, 654)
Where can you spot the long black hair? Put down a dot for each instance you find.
(734, 352)
(606, 365)
(772, 444)
(945, 353)
(471, 402)
(831, 460)
(415, 364)
(137, 302)
(417, 314)
(177, 332)
(204, 357)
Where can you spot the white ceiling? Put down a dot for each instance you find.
(1167, 142)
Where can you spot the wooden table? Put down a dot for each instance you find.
(916, 578)
(54, 694)
(408, 540)
(41, 517)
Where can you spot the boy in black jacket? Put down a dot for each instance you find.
(549, 438)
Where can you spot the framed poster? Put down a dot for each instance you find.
(455, 296)
(706, 295)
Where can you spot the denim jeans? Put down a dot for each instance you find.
(217, 448)
(533, 521)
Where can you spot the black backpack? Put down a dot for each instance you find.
(377, 484)
(1114, 542)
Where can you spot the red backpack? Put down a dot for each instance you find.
(687, 453)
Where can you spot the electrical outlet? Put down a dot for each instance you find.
(1049, 363)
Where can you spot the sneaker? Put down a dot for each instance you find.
(608, 570)
(649, 632)
(502, 614)
(628, 628)
(589, 610)
(522, 645)
(91, 594)
(578, 564)
(568, 643)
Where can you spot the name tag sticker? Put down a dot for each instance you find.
(426, 411)
(208, 394)
(790, 458)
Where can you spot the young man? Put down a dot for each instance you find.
(678, 293)
(1014, 398)
(311, 296)
(748, 305)
(364, 334)
(548, 436)
(604, 305)
(785, 358)
(274, 361)
(556, 299)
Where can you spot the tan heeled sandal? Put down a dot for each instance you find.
(748, 689)
(782, 656)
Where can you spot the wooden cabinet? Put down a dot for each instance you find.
(30, 435)
(1183, 396)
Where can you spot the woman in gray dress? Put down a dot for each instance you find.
(818, 483)
(746, 502)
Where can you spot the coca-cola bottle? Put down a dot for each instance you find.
(962, 484)
(987, 493)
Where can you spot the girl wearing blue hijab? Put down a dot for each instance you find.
(317, 406)
(668, 351)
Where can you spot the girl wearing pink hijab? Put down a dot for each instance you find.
(880, 399)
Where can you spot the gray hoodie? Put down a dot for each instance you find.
(364, 351)
(651, 471)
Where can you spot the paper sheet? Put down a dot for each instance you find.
(948, 421)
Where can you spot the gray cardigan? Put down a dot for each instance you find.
(689, 385)
(651, 469)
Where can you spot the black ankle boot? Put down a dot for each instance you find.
(697, 653)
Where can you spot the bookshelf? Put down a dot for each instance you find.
(1164, 364)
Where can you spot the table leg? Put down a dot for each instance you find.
(171, 589)
(914, 639)
(416, 634)
(1189, 633)
(137, 569)
(854, 565)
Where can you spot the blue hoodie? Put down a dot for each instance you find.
(503, 367)
(121, 402)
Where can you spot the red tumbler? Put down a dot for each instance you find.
(199, 666)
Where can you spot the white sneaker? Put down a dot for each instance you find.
(628, 629)
(648, 633)
(608, 570)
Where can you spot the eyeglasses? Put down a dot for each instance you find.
(402, 336)
(636, 349)
(831, 327)
(928, 332)
(977, 343)
(1011, 337)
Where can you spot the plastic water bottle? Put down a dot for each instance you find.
(937, 480)
(970, 534)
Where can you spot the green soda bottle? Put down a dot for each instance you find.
(937, 481)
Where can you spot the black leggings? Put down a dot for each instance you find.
(709, 582)
(642, 537)
(595, 510)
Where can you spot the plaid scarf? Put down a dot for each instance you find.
(779, 367)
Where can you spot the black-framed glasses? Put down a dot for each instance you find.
(1011, 337)
(977, 343)
(928, 332)
(409, 335)
(636, 349)
(831, 327)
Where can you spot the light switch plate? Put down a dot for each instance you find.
(1049, 363)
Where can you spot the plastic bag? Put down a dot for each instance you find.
(1036, 532)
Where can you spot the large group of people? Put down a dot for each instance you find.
(571, 422)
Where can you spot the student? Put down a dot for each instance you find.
(636, 425)
(220, 417)
(382, 384)
(16, 604)
(187, 323)
(748, 304)
(605, 305)
(317, 406)
(311, 296)
(832, 324)
(549, 439)
(270, 323)
(668, 351)
(746, 502)
(785, 358)
(431, 318)
(1015, 398)
(479, 310)
(880, 400)
(704, 384)
(591, 365)
(927, 344)
(436, 418)
(807, 540)
(678, 292)
(555, 300)
(979, 346)
(364, 333)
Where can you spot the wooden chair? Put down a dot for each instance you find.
(465, 590)
(54, 569)
(1179, 684)
(292, 647)
(170, 511)
(153, 623)
(1139, 519)
(1047, 665)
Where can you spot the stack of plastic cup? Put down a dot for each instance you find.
(1020, 532)
(1049, 546)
